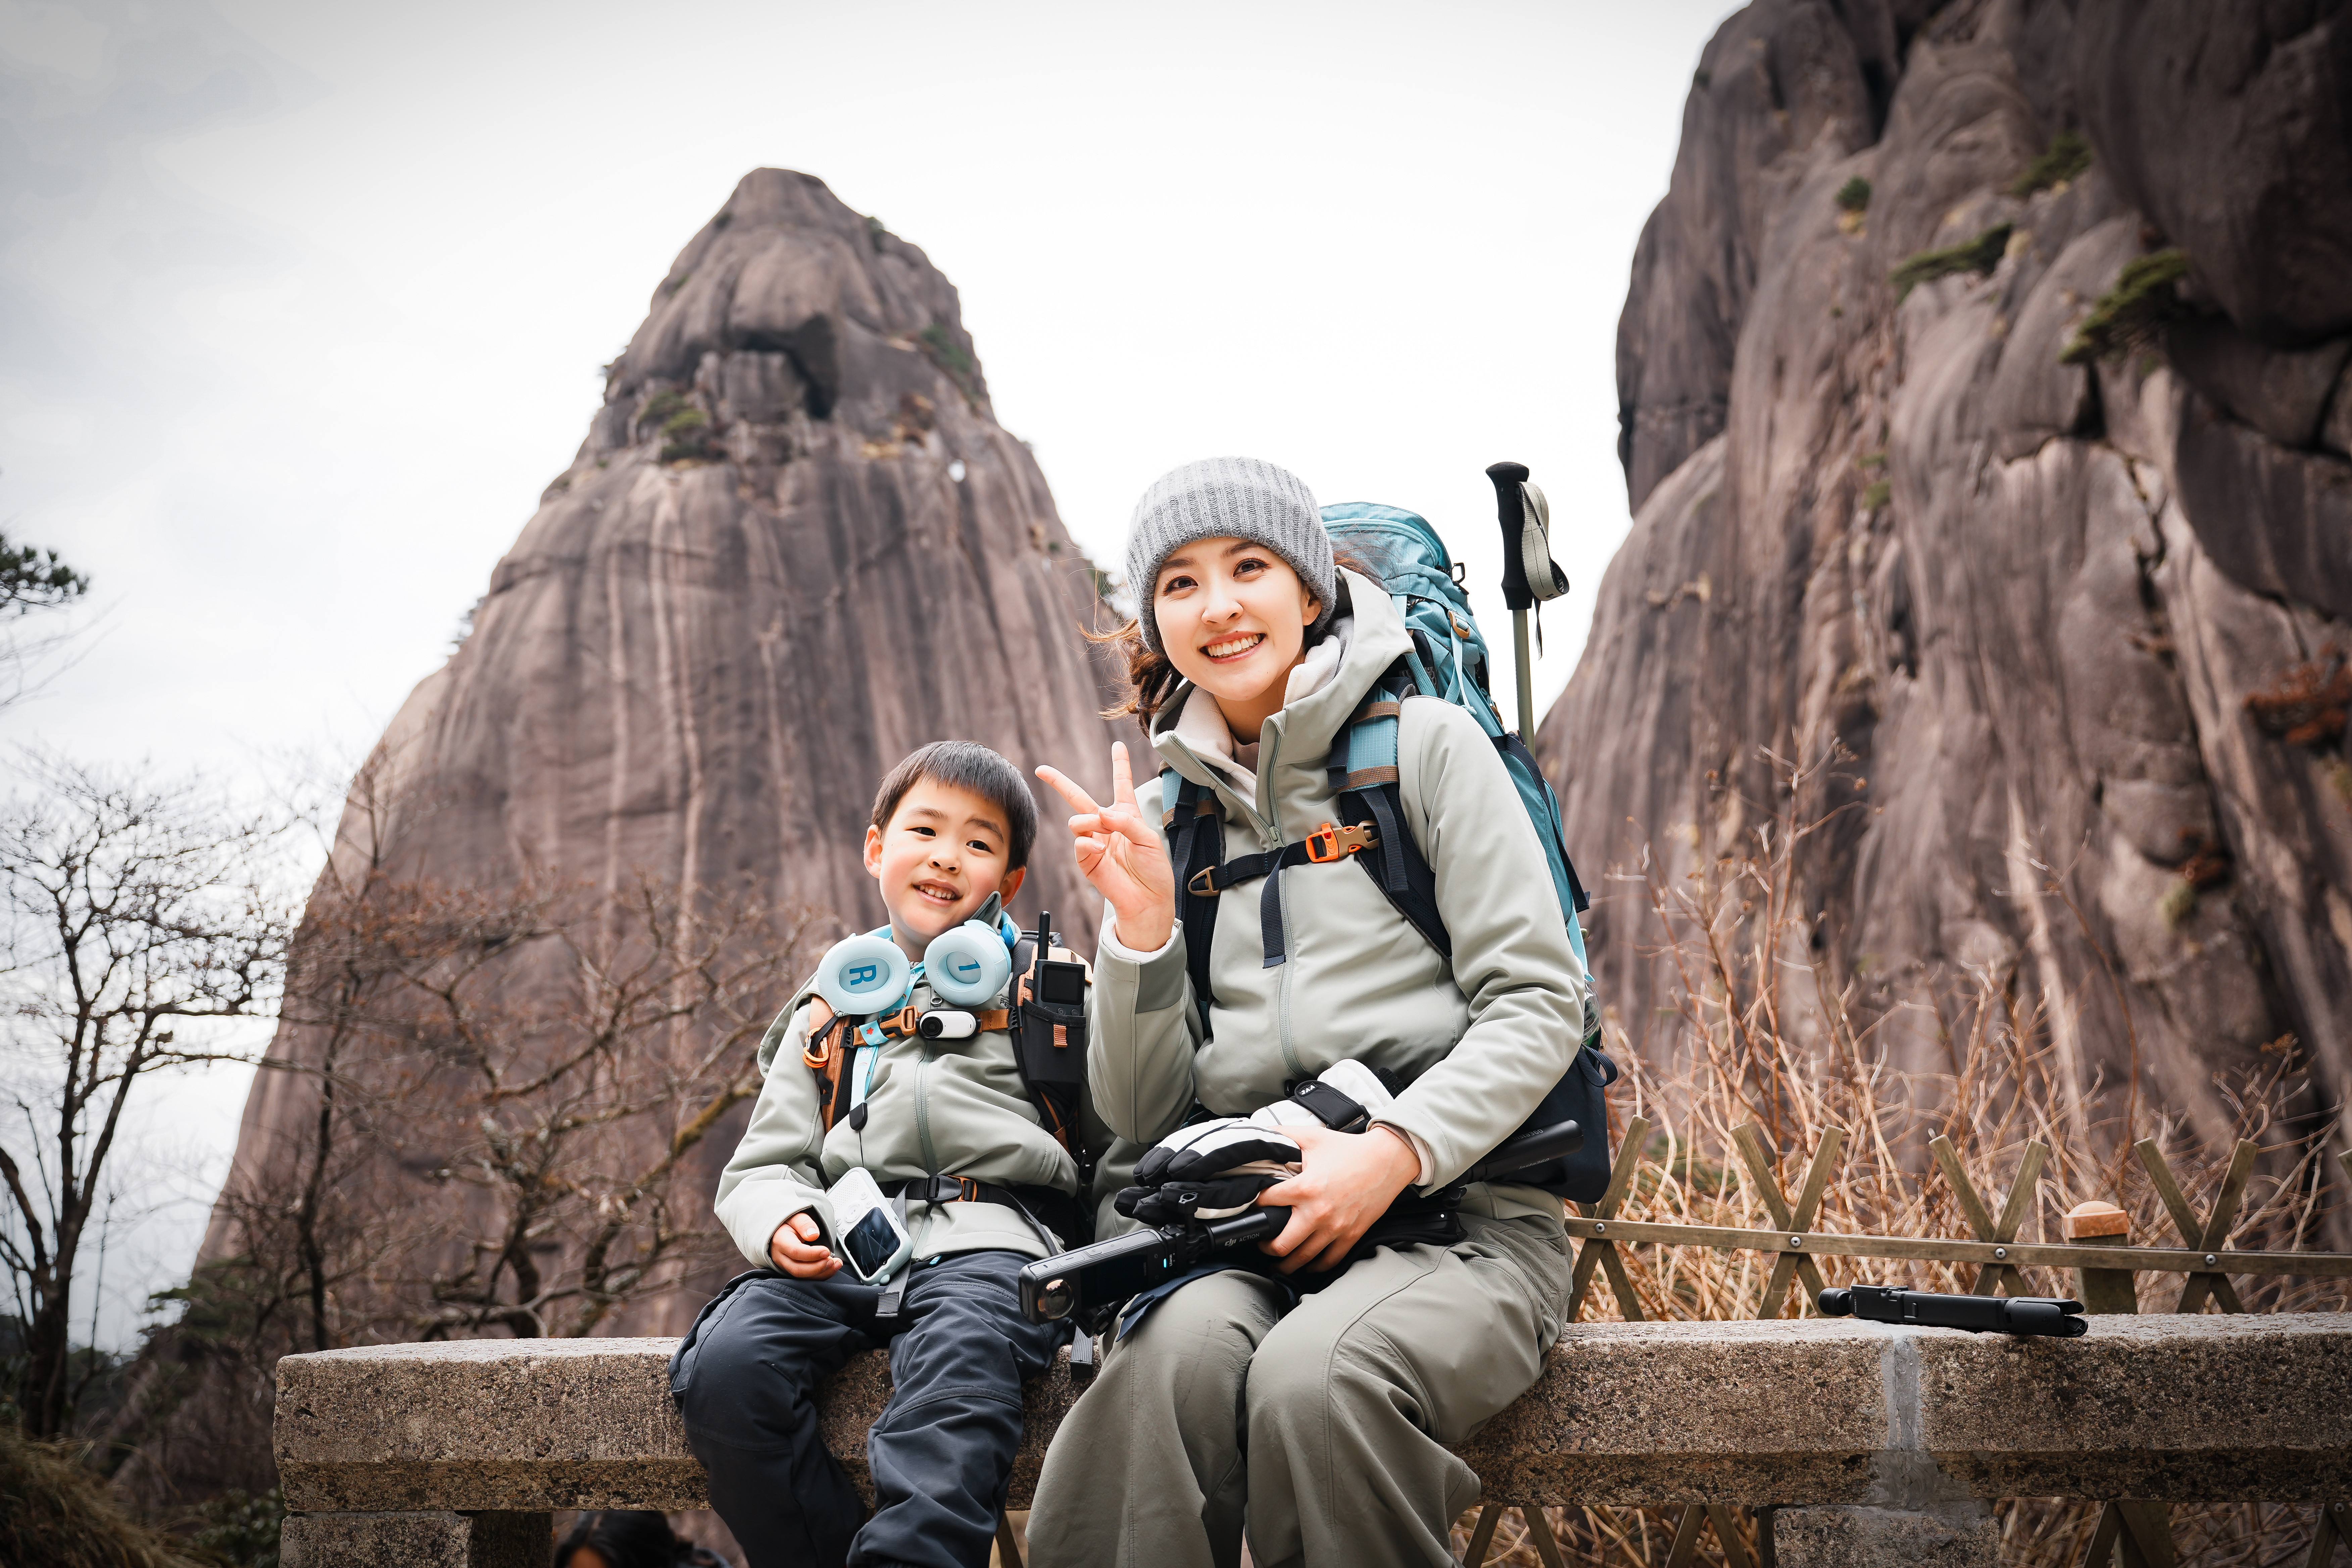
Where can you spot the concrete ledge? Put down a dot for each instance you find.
(1817, 1412)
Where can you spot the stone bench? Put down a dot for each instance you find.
(1875, 1444)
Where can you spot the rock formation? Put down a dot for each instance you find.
(2054, 534)
(794, 546)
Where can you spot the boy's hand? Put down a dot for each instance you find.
(1121, 855)
(798, 1248)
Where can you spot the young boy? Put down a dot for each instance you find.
(948, 841)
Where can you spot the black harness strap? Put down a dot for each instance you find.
(1196, 831)
(1196, 843)
(1323, 846)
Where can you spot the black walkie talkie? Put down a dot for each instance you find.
(1049, 1040)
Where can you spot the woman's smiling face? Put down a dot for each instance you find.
(1232, 616)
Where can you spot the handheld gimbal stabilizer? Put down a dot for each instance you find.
(1092, 1281)
(2042, 1315)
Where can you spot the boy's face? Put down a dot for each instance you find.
(937, 858)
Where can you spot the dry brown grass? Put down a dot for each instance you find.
(1758, 1031)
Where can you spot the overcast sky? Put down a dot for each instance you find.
(303, 305)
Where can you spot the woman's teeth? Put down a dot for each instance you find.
(1231, 646)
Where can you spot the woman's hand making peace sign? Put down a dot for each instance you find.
(1121, 855)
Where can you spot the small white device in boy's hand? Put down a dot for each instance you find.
(860, 1227)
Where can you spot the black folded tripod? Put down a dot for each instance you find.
(2044, 1315)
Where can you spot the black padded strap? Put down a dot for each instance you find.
(1196, 843)
(1403, 877)
(1269, 909)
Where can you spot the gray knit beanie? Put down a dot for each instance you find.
(1244, 498)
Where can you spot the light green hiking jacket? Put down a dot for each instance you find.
(1479, 1039)
(936, 1108)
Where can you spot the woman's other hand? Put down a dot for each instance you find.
(1350, 1180)
(1121, 855)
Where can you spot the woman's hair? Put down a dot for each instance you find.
(625, 1538)
(1150, 678)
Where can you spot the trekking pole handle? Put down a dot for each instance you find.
(1511, 512)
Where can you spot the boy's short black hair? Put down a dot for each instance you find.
(967, 766)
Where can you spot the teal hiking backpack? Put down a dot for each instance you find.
(1448, 662)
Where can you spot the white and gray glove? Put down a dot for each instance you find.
(1209, 1170)
(1215, 1169)
(1346, 1097)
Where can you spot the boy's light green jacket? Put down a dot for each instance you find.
(936, 1108)
(1480, 1039)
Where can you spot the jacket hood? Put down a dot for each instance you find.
(1308, 725)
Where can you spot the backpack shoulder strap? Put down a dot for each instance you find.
(826, 1050)
(1362, 768)
(1196, 842)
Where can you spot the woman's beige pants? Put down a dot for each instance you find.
(1321, 1432)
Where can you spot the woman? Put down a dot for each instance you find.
(1310, 1405)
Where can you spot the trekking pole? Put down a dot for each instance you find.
(1529, 574)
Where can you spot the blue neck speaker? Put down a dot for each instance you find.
(968, 965)
(863, 975)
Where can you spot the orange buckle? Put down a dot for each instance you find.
(1329, 843)
(970, 1188)
(1203, 884)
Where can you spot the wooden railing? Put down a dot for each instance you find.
(2106, 1268)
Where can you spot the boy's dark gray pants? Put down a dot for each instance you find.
(941, 1455)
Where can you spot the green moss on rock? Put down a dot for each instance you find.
(2127, 316)
(2066, 159)
(1981, 254)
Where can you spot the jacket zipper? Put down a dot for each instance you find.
(923, 1136)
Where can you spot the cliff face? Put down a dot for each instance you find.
(794, 546)
(2079, 625)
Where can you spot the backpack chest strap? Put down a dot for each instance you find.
(904, 1024)
(1328, 843)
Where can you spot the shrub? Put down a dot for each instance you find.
(2068, 156)
(1854, 196)
(686, 435)
(876, 232)
(57, 1513)
(2130, 315)
(2307, 705)
(1981, 254)
(1756, 1026)
(660, 406)
(941, 345)
(242, 1532)
(1877, 495)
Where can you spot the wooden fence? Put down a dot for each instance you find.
(2106, 1269)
